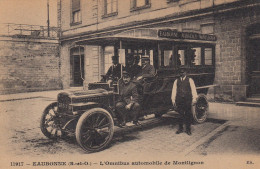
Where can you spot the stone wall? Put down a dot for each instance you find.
(231, 62)
(29, 65)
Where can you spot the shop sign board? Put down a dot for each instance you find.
(173, 34)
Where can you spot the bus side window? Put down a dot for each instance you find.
(168, 58)
(197, 56)
(108, 53)
(208, 56)
(182, 57)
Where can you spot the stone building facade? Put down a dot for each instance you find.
(235, 23)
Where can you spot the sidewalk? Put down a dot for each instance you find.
(237, 115)
(240, 135)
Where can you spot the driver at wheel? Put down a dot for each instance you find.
(114, 72)
(129, 101)
(184, 94)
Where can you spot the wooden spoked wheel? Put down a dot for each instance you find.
(95, 129)
(200, 109)
(49, 123)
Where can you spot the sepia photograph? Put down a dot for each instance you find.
(129, 84)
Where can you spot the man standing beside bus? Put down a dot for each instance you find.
(184, 94)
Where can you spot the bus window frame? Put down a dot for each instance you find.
(177, 46)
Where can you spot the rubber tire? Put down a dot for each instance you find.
(42, 121)
(193, 108)
(82, 119)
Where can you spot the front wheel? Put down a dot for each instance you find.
(49, 123)
(200, 109)
(94, 129)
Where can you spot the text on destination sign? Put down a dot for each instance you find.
(185, 35)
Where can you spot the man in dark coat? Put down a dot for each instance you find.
(147, 72)
(132, 66)
(129, 101)
(184, 94)
(114, 72)
(147, 69)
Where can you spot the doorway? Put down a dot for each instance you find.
(253, 58)
(254, 66)
(77, 66)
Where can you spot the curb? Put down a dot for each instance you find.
(204, 139)
(23, 98)
(26, 96)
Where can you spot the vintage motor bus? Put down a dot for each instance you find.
(90, 114)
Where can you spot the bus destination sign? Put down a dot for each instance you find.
(173, 34)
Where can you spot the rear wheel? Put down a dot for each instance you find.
(94, 129)
(200, 109)
(49, 123)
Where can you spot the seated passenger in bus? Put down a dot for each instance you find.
(137, 68)
(190, 57)
(178, 61)
(132, 66)
(147, 69)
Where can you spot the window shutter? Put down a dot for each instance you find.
(75, 5)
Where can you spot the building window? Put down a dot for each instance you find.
(110, 8)
(140, 4)
(76, 17)
(76, 14)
